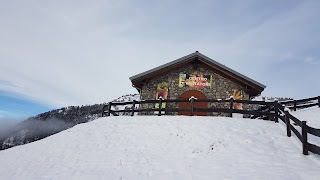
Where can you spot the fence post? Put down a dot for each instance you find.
(276, 111)
(287, 121)
(160, 105)
(319, 101)
(268, 109)
(231, 106)
(109, 108)
(103, 107)
(304, 138)
(295, 105)
(133, 107)
(192, 106)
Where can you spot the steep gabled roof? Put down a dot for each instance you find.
(224, 71)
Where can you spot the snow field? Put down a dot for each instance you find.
(312, 116)
(166, 147)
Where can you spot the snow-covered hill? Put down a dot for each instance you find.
(127, 97)
(166, 147)
(311, 115)
(54, 121)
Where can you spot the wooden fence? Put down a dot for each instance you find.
(287, 118)
(271, 115)
(301, 103)
(274, 111)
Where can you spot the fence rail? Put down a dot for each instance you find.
(301, 103)
(305, 129)
(107, 109)
(272, 110)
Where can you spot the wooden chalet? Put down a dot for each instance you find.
(198, 76)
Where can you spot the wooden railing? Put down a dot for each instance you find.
(301, 103)
(271, 115)
(274, 111)
(287, 118)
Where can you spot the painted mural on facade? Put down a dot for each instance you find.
(195, 81)
(237, 94)
(162, 91)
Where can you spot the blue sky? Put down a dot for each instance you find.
(16, 107)
(61, 53)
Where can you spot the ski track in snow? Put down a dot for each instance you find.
(167, 147)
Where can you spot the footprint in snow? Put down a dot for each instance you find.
(196, 151)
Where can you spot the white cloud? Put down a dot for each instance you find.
(71, 53)
(311, 60)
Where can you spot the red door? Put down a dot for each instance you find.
(196, 94)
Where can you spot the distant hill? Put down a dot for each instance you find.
(54, 121)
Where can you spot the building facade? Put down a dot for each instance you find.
(198, 76)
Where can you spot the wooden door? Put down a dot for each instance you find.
(196, 94)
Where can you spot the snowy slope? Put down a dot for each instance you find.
(311, 115)
(163, 148)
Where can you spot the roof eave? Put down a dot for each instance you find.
(159, 68)
(246, 80)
